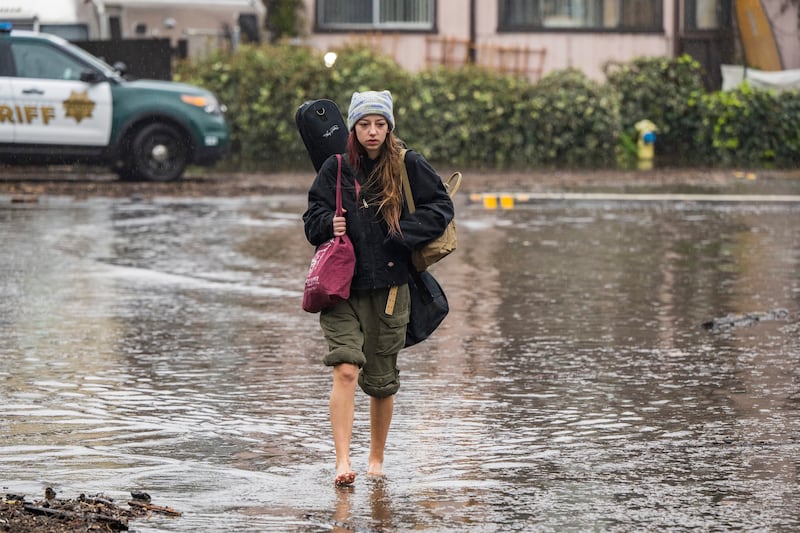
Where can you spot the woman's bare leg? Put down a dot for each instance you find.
(380, 417)
(342, 406)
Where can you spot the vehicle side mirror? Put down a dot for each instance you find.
(91, 76)
(121, 67)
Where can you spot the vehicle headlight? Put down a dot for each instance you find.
(209, 104)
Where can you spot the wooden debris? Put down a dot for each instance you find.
(81, 514)
(169, 511)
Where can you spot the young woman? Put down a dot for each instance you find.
(366, 332)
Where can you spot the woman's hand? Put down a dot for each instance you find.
(339, 226)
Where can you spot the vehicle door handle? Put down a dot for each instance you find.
(32, 91)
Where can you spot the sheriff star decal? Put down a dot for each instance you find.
(78, 106)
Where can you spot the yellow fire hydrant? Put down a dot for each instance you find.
(645, 143)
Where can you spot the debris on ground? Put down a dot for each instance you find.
(748, 319)
(27, 184)
(81, 514)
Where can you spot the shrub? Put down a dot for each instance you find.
(573, 121)
(751, 127)
(665, 91)
(461, 116)
(472, 117)
(359, 68)
(262, 87)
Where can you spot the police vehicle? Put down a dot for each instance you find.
(60, 104)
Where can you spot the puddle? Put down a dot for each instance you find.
(160, 346)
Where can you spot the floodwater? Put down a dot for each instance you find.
(159, 345)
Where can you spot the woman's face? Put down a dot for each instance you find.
(371, 132)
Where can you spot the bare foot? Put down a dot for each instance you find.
(344, 479)
(375, 469)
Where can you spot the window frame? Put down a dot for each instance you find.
(374, 26)
(503, 25)
(724, 17)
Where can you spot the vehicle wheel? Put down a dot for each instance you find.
(158, 152)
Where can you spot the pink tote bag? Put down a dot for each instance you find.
(332, 267)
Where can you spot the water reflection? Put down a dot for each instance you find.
(159, 345)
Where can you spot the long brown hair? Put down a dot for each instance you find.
(386, 174)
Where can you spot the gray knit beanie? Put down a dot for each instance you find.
(370, 103)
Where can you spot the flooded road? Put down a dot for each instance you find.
(159, 345)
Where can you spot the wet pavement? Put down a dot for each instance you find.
(158, 345)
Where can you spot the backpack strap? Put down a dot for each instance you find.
(406, 184)
(451, 185)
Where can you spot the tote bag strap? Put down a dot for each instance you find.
(339, 210)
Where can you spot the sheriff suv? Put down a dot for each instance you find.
(60, 104)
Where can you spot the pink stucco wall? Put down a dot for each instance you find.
(787, 35)
(585, 51)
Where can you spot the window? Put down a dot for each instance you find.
(620, 15)
(70, 32)
(707, 14)
(375, 15)
(35, 60)
(6, 63)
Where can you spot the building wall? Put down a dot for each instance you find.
(787, 35)
(204, 26)
(202, 29)
(585, 51)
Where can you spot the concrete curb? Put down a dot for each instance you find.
(510, 200)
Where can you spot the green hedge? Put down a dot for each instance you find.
(261, 86)
(471, 117)
(664, 91)
(751, 128)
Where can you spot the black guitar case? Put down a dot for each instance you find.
(322, 129)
